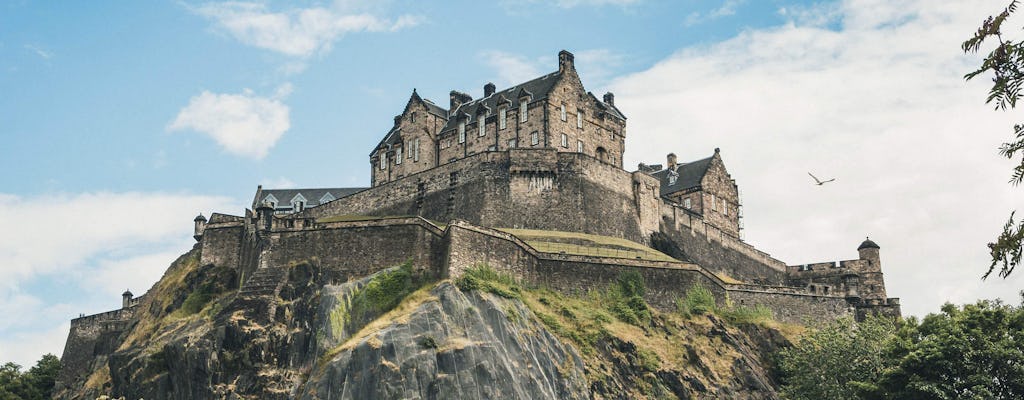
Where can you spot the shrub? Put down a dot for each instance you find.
(758, 314)
(624, 299)
(484, 278)
(698, 301)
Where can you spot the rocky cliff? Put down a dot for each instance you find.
(401, 333)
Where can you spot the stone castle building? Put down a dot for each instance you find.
(530, 181)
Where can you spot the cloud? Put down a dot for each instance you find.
(518, 4)
(88, 247)
(298, 32)
(877, 101)
(511, 68)
(727, 8)
(243, 124)
(593, 65)
(39, 51)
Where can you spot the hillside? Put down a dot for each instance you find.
(291, 332)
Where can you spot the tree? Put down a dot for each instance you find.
(36, 383)
(837, 361)
(973, 352)
(1006, 62)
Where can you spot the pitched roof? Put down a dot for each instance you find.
(690, 175)
(431, 107)
(313, 196)
(538, 88)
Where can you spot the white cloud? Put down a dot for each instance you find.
(879, 103)
(39, 51)
(92, 246)
(243, 124)
(511, 68)
(299, 32)
(519, 4)
(727, 8)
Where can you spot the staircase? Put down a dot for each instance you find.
(265, 281)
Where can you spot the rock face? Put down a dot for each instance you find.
(290, 334)
(453, 345)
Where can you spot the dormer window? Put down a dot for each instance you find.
(298, 203)
(326, 198)
(398, 156)
(502, 114)
(579, 119)
(462, 131)
(686, 203)
(563, 112)
(523, 103)
(383, 160)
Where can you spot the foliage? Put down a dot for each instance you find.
(197, 299)
(970, 352)
(698, 301)
(836, 361)
(758, 314)
(1006, 63)
(36, 383)
(625, 299)
(382, 293)
(486, 279)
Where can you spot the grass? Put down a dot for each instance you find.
(583, 244)
(699, 301)
(381, 294)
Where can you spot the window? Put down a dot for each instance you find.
(534, 138)
(563, 112)
(712, 202)
(398, 156)
(412, 117)
(565, 140)
(462, 131)
(416, 149)
(579, 119)
(480, 125)
(725, 208)
(511, 143)
(502, 115)
(579, 146)
(383, 160)
(686, 203)
(523, 110)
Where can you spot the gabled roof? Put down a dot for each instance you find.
(431, 107)
(690, 175)
(537, 89)
(313, 196)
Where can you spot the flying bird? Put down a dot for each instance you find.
(819, 181)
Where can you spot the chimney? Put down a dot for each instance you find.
(609, 99)
(457, 99)
(565, 61)
(671, 161)
(488, 89)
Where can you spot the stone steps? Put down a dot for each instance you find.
(264, 282)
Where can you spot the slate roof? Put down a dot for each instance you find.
(313, 196)
(537, 89)
(868, 244)
(690, 175)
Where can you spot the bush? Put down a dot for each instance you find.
(698, 301)
(758, 314)
(625, 301)
(484, 278)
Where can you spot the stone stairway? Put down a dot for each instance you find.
(264, 282)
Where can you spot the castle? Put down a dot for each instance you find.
(528, 180)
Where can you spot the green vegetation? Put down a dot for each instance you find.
(971, 352)
(381, 294)
(699, 300)
(485, 279)
(197, 299)
(36, 383)
(583, 244)
(1006, 62)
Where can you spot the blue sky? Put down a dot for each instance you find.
(120, 122)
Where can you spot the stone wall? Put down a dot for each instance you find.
(91, 339)
(787, 306)
(718, 251)
(222, 244)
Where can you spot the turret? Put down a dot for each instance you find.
(266, 215)
(200, 227)
(126, 298)
(868, 250)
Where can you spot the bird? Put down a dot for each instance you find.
(819, 181)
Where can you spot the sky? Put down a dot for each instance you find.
(120, 122)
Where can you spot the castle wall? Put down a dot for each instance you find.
(221, 244)
(356, 249)
(793, 307)
(91, 339)
(718, 251)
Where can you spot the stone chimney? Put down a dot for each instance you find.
(456, 99)
(609, 98)
(488, 89)
(565, 61)
(126, 299)
(670, 161)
